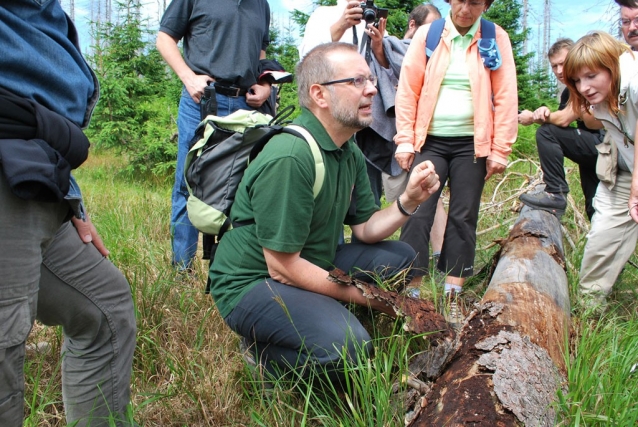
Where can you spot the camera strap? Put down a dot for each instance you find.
(365, 48)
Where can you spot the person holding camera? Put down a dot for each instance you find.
(224, 44)
(345, 15)
(376, 141)
(458, 110)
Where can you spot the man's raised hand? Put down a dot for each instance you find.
(423, 182)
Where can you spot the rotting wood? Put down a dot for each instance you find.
(420, 315)
(509, 357)
(506, 364)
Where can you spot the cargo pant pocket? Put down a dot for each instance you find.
(607, 161)
(15, 322)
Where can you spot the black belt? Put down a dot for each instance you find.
(231, 91)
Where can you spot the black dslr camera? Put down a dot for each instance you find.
(371, 13)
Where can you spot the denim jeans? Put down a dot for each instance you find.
(48, 273)
(184, 235)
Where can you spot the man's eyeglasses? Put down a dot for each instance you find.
(627, 22)
(359, 81)
(471, 3)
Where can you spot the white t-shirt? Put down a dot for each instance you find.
(318, 28)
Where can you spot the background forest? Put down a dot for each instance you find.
(136, 85)
(188, 370)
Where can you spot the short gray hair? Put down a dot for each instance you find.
(316, 68)
(560, 44)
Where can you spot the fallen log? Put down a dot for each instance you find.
(508, 361)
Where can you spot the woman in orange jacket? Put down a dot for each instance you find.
(453, 110)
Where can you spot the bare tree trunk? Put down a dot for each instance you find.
(524, 25)
(509, 361)
(547, 11)
(107, 11)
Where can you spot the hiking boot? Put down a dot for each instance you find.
(257, 371)
(551, 202)
(413, 293)
(247, 353)
(452, 310)
(594, 304)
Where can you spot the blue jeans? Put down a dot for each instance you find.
(184, 235)
(48, 273)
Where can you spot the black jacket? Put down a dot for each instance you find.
(38, 149)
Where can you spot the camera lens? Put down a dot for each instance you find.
(369, 16)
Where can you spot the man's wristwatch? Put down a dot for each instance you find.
(402, 209)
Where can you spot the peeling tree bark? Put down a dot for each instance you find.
(420, 315)
(508, 360)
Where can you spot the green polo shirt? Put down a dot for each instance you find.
(275, 197)
(454, 111)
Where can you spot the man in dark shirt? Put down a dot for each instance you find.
(555, 140)
(224, 42)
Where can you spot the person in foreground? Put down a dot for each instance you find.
(453, 110)
(602, 73)
(269, 278)
(51, 270)
(555, 140)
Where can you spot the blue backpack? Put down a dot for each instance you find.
(488, 49)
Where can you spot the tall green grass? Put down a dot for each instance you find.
(188, 370)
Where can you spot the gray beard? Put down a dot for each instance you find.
(350, 118)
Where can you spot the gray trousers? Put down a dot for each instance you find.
(291, 328)
(48, 273)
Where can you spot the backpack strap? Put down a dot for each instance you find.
(434, 36)
(487, 46)
(299, 132)
(320, 169)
